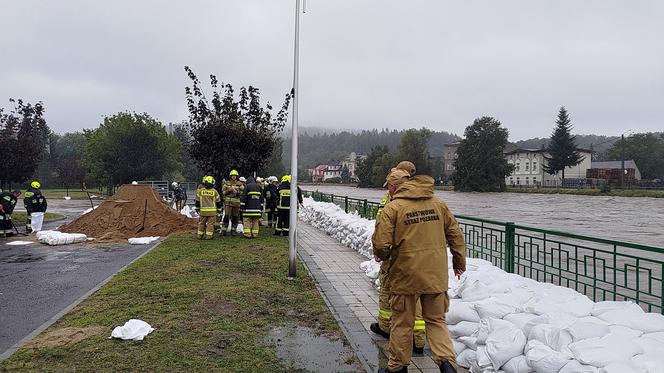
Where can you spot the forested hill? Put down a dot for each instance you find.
(318, 147)
(600, 144)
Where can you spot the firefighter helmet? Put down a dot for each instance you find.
(35, 184)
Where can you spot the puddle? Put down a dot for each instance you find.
(23, 258)
(301, 349)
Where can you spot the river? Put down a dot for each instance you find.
(631, 219)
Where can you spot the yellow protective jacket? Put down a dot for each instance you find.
(208, 200)
(413, 232)
(232, 193)
(381, 206)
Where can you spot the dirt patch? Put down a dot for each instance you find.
(222, 345)
(66, 337)
(257, 248)
(214, 306)
(134, 211)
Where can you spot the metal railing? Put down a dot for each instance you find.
(600, 268)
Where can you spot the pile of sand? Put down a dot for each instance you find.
(134, 211)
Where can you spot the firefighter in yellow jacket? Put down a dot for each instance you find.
(207, 202)
(413, 232)
(232, 191)
(382, 327)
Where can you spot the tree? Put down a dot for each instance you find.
(345, 175)
(274, 165)
(481, 166)
(646, 149)
(23, 141)
(414, 147)
(381, 168)
(562, 148)
(67, 152)
(365, 169)
(228, 133)
(190, 170)
(127, 147)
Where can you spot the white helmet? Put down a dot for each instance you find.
(242, 179)
(174, 184)
(259, 179)
(272, 179)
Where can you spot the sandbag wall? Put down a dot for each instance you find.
(502, 322)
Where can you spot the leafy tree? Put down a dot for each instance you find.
(414, 147)
(127, 147)
(67, 152)
(646, 149)
(23, 141)
(481, 166)
(562, 148)
(365, 169)
(228, 132)
(381, 168)
(274, 166)
(345, 175)
(190, 170)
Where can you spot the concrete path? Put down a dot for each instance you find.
(351, 296)
(38, 281)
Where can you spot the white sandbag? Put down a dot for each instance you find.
(474, 292)
(466, 358)
(240, 228)
(550, 335)
(142, 240)
(36, 219)
(364, 265)
(543, 359)
(576, 367)
(461, 311)
(470, 342)
(483, 359)
(621, 367)
(603, 351)
(490, 308)
(55, 238)
(658, 336)
(556, 318)
(651, 363)
(18, 243)
(625, 331)
(487, 327)
(132, 329)
(609, 305)
(464, 328)
(517, 364)
(581, 330)
(519, 319)
(504, 344)
(577, 305)
(458, 347)
(635, 318)
(649, 345)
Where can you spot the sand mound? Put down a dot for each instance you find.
(134, 211)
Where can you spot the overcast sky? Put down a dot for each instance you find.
(364, 64)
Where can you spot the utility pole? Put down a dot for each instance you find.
(292, 232)
(622, 162)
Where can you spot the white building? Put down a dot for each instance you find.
(529, 168)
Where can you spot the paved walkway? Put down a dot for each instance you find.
(351, 296)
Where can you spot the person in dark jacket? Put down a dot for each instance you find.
(271, 199)
(283, 206)
(252, 208)
(7, 205)
(34, 201)
(179, 196)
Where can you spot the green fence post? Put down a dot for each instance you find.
(364, 208)
(509, 247)
(332, 198)
(346, 204)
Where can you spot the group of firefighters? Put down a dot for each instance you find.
(248, 200)
(33, 200)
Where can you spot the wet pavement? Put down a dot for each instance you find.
(39, 281)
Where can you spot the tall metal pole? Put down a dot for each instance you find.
(622, 162)
(292, 233)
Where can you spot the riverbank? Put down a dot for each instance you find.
(592, 192)
(215, 306)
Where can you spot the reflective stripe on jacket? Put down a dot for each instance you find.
(208, 199)
(252, 201)
(232, 193)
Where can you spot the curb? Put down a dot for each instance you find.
(10, 351)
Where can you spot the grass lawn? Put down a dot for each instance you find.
(19, 217)
(73, 193)
(212, 304)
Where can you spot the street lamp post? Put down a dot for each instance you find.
(292, 232)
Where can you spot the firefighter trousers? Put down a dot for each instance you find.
(251, 225)
(385, 312)
(283, 222)
(231, 213)
(434, 307)
(206, 227)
